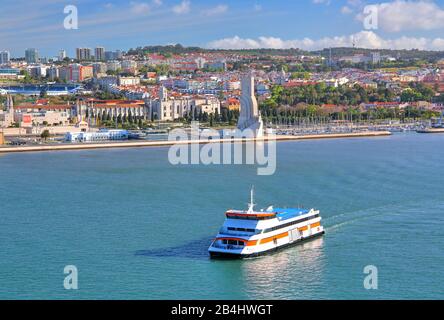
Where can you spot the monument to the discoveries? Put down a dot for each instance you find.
(250, 117)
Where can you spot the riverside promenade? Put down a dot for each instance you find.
(431, 130)
(139, 144)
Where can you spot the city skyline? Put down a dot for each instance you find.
(306, 24)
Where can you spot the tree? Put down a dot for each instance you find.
(205, 117)
(130, 117)
(216, 116)
(43, 93)
(224, 115)
(45, 134)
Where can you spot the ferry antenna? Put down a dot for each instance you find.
(251, 204)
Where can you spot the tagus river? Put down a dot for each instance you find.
(136, 226)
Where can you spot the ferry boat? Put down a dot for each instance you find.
(252, 233)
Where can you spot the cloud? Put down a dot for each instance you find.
(139, 8)
(220, 9)
(327, 2)
(182, 8)
(157, 3)
(355, 3)
(353, 6)
(257, 7)
(401, 15)
(346, 10)
(363, 39)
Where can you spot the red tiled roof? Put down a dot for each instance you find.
(116, 101)
(40, 107)
(120, 105)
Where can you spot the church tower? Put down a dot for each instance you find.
(9, 104)
(163, 94)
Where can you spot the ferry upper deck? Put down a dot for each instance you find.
(250, 223)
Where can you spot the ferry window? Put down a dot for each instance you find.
(232, 242)
(291, 223)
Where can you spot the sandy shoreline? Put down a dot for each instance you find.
(138, 144)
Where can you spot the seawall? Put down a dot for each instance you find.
(138, 144)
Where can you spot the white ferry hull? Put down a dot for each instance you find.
(221, 253)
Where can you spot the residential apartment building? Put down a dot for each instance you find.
(83, 54)
(32, 55)
(99, 54)
(4, 57)
(62, 55)
(76, 72)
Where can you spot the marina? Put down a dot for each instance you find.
(431, 130)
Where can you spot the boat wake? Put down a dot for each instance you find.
(335, 222)
(196, 249)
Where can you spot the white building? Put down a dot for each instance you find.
(62, 55)
(99, 68)
(128, 81)
(53, 73)
(38, 71)
(376, 57)
(129, 66)
(113, 65)
(167, 108)
(102, 135)
(200, 62)
(42, 118)
(336, 82)
(232, 85)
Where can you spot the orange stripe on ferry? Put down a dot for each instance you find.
(314, 225)
(251, 243)
(278, 236)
